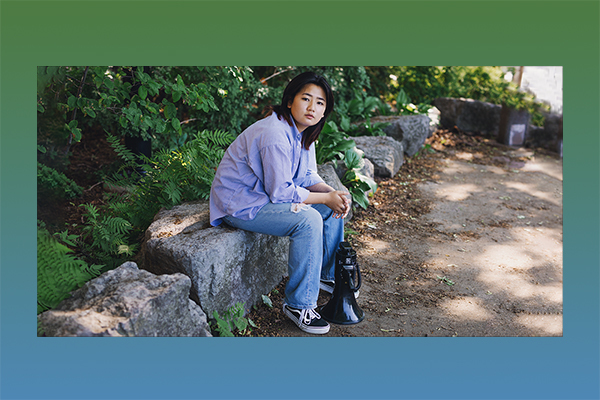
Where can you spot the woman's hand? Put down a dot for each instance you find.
(339, 203)
(337, 200)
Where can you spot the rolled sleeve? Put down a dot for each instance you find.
(312, 178)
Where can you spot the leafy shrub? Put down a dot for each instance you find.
(358, 184)
(332, 143)
(483, 83)
(146, 102)
(58, 271)
(238, 93)
(405, 107)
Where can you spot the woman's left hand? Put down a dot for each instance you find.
(345, 207)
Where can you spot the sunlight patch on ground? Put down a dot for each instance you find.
(548, 168)
(555, 198)
(548, 325)
(519, 288)
(514, 273)
(467, 309)
(459, 192)
(378, 246)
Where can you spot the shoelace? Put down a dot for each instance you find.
(309, 315)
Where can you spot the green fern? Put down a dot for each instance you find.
(54, 183)
(108, 236)
(122, 151)
(58, 271)
(171, 177)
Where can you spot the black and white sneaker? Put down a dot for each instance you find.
(307, 320)
(329, 285)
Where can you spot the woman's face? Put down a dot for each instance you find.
(308, 106)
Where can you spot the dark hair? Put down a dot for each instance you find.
(311, 133)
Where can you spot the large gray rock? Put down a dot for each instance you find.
(386, 153)
(410, 130)
(128, 301)
(469, 115)
(225, 265)
(549, 136)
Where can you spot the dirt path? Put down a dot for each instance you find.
(466, 241)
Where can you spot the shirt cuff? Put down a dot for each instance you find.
(312, 179)
(302, 194)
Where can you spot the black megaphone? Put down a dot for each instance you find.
(342, 307)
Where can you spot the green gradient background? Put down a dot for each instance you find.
(299, 33)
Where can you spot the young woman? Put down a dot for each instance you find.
(267, 183)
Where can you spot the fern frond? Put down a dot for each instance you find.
(58, 271)
(122, 151)
(56, 183)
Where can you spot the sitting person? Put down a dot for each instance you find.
(267, 183)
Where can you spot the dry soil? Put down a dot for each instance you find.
(466, 240)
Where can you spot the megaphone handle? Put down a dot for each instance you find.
(357, 269)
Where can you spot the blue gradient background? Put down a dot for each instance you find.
(299, 33)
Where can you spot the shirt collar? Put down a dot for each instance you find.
(295, 132)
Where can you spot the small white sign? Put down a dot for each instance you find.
(517, 135)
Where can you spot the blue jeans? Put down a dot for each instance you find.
(314, 238)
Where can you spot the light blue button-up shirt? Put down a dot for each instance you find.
(266, 163)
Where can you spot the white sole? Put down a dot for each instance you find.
(307, 329)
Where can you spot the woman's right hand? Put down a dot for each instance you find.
(339, 203)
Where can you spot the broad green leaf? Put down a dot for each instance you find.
(360, 198)
(147, 123)
(402, 98)
(73, 124)
(40, 108)
(345, 123)
(170, 110)
(355, 107)
(109, 83)
(160, 125)
(267, 301)
(152, 107)
(143, 92)
(350, 175)
(154, 87)
(363, 178)
(176, 96)
(344, 145)
(90, 112)
(76, 134)
(175, 123)
(352, 158)
(180, 83)
(371, 103)
(72, 102)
